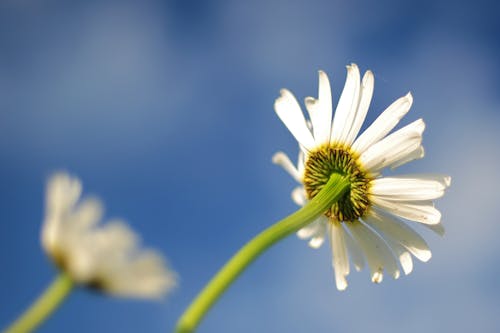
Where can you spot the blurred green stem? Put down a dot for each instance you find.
(331, 193)
(45, 305)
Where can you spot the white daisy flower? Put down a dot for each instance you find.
(104, 257)
(366, 224)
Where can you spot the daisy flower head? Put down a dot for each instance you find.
(368, 222)
(103, 257)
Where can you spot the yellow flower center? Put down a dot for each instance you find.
(329, 159)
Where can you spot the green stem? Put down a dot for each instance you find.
(47, 303)
(331, 193)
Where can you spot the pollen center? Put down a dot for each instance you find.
(321, 164)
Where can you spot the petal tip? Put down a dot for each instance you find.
(324, 82)
(425, 256)
(310, 101)
(341, 286)
(340, 281)
(316, 242)
(368, 78)
(377, 277)
(278, 157)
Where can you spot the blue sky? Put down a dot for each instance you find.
(164, 110)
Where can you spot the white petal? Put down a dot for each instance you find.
(379, 157)
(50, 235)
(118, 238)
(311, 229)
(314, 110)
(63, 191)
(377, 253)
(394, 147)
(419, 211)
(299, 196)
(122, 268)
(437, 228)
(318, 238)
(317, 241)
(397, 230)
(288, 110)
(409, 188)
(408, 153)
(340, 259)
(416, 154)
(354, 251)
(406, 262)
(145, 276)
(442, 179)
(282, 160)
(383, 124)
(315, 231)
(346, 108)
(404, 256)
(325, 99)
(366, 94)
(87, 214)
(82, 263)
(320, 110)
(301, 160)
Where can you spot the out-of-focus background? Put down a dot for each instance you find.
(165, 111)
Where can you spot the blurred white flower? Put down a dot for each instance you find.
(366, 223)
(105, 257)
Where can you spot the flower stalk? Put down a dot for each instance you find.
(45, 305)
(333, 190)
